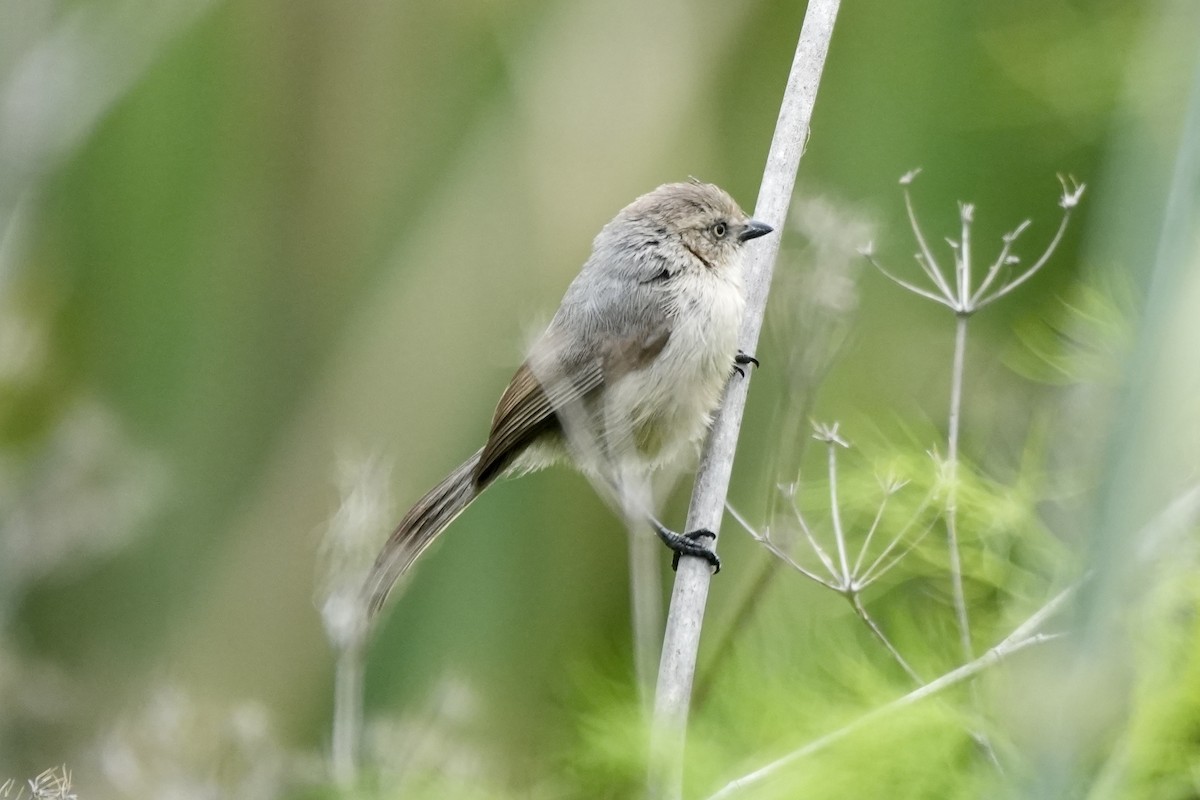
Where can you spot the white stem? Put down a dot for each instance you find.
(930, 264)
(1038, 617)
(909, 286)
(866, 545)
(646, 608)
(999, 263)
(956, 576)
(839, 535)
(690, 594)
(783, 556)
(778, 552)
(347, 715)
(816, 546)
(964, 259)
(878, 567)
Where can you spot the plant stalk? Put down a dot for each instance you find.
(681, 642)
(956, 575)
(347, 715)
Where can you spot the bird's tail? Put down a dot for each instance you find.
(419, 528)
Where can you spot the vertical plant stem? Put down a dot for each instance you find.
(690, 594)
(956, 576)
(347, 715)
(646, 607)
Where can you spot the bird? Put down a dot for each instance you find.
(626, 377)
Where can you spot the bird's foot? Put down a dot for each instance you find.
(688, 544)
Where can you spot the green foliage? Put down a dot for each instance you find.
(1082, 338)
(776, 696)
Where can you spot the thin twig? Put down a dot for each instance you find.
(1031, 271)
(839, 534)
(765, 540)
(816, 545)
(1040, 616)
(866, 545)
(930, 264)
(1071, 194)
(869, 621)
(909, 286)
(786, 558)
(1001, 261)
(875, 571)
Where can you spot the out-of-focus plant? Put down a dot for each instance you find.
(51, 784)
(347, 552)
(173, 745)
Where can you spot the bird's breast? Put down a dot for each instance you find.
(672, 402)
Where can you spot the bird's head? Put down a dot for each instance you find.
(698, 225)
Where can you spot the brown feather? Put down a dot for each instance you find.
(420, 526)
(526, 410)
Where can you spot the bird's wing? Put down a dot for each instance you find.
(544, 385)
(526, 409)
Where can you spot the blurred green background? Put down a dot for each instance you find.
(243, 241)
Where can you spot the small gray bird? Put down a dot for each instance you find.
(626, 378)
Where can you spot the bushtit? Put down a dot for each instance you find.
(626, 378)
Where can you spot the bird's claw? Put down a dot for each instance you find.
(692, 547)
(742, 359)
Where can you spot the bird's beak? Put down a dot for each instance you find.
(753, 230)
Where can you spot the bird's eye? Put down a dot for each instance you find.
(719, 230)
